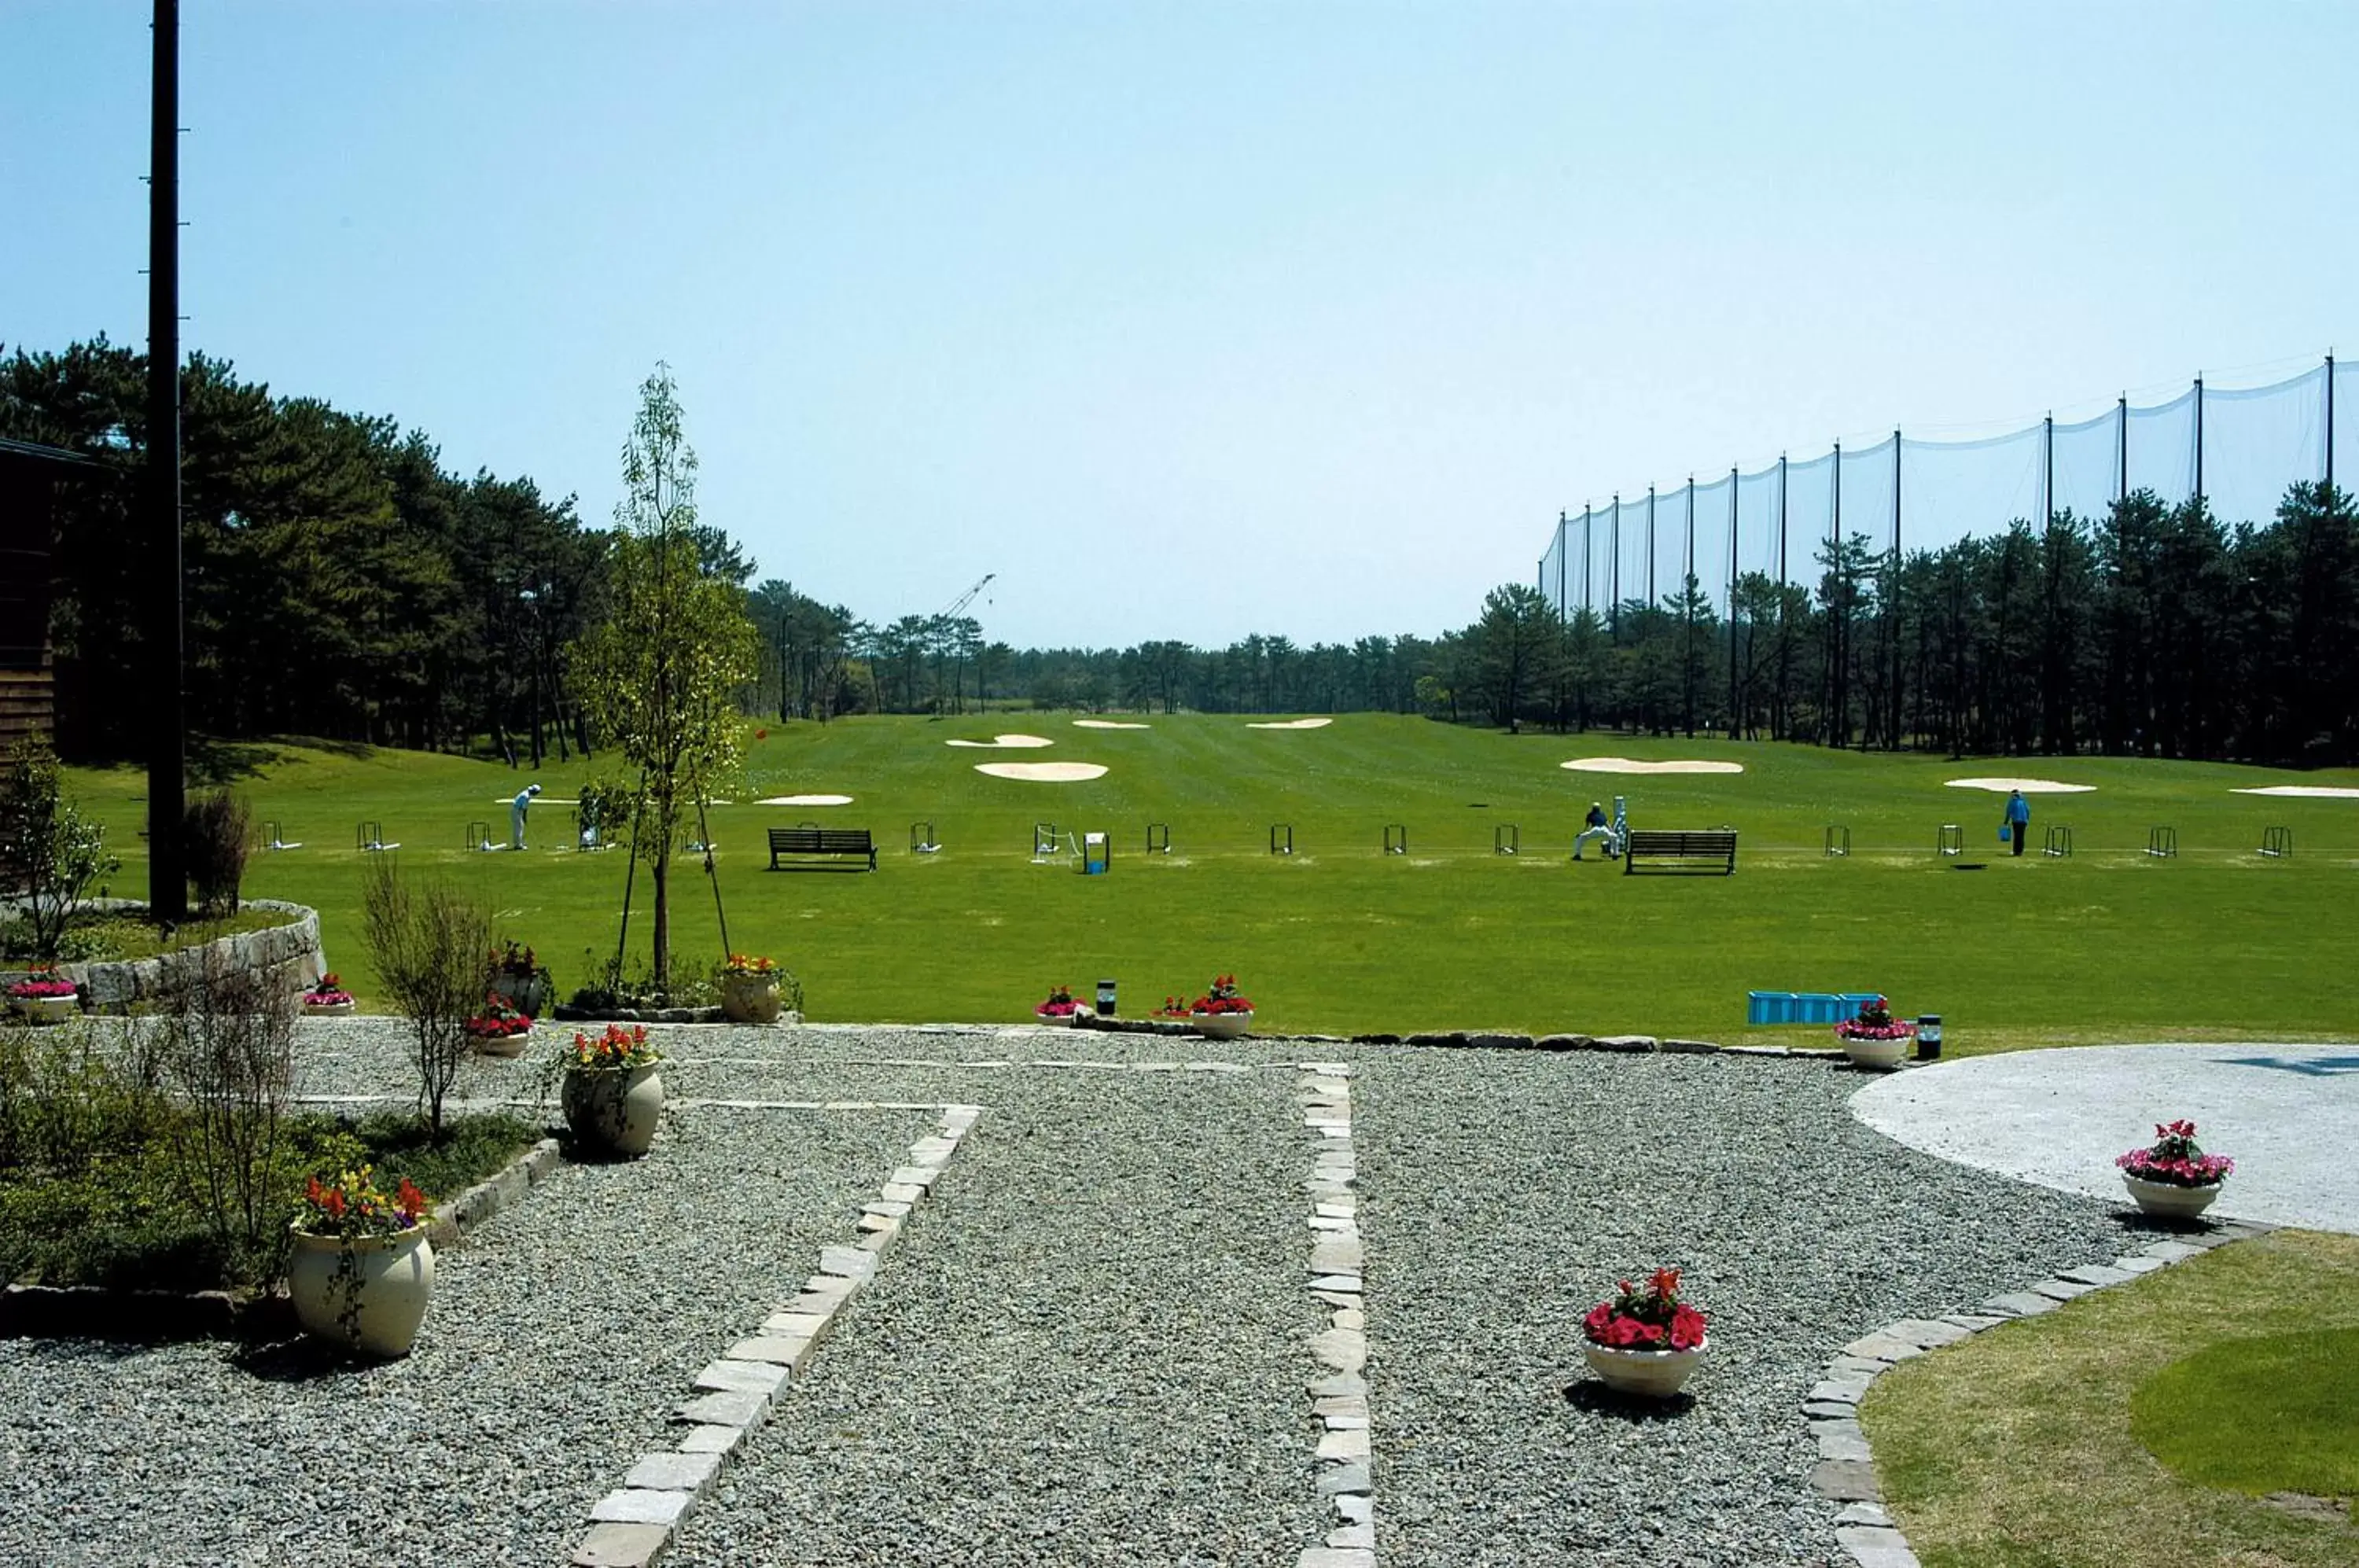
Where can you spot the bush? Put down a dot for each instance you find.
(226, 1048)
(427, 942)
(73, 1096)
(215, 830)
(47, 852)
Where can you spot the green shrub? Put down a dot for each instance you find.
(47, 852)
(216, 829)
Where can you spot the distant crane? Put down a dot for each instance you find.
(963, 600)
(943, 619)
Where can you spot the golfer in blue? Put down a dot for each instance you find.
(2018, 817)
(516, 809)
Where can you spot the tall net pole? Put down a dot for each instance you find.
(2330, 427)
(2199, 441)
(1892, 592)
(1650, 547)
(1614, 607)
(1732, 721)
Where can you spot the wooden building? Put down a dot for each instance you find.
(29, 476)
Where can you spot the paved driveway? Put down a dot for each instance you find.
(2286, 1113)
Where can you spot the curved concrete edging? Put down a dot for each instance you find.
(290, 952)
(1845, 1472)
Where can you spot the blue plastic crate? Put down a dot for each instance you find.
(1770, 1007)
(1819, 1008)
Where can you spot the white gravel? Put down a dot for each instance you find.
(1089, 1345)
(2284, 1113)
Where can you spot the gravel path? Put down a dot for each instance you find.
(560, 1339)
(1505, 1192)
(1090, 1344)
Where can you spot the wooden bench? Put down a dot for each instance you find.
(831, 843)
(1706, 850)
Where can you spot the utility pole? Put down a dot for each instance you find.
(168, 881)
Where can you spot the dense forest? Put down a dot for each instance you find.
(342, 585)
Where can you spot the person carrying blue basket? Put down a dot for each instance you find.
(2018, 825)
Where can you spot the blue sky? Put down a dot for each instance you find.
(1194, 320)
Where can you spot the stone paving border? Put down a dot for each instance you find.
(1845, 1471)
(1339, 1399)
(632, 1526)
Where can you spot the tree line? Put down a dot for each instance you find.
(340, 584)
(2156, 630)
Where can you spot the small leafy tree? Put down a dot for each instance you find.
(226, 1048)
(658, 676)
(47, 851)
(428, 942)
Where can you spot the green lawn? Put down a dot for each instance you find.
(2129, 1427)
(1341, 938)
(2269, 1413)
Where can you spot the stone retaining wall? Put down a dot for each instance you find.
(289, 955)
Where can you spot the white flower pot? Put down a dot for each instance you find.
(615, 1112)
(1056, 1020)
(750, 998)
(1221, 1026)
(327, 1009)
(500, 1045)
(1650, 1374)
(46, 1009)
(2168, 1201)
(1879, 1053)
(368, 1293)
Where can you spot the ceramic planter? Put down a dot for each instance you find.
(2168, 1201)
(1886, 1054)
(1648, 1374)
(1056, 1020)
(528, 994)
(1221, 1026)
(500, 1044)
(613, 1112)
(46, 1009)
(328, 1009)
(749, 999)
(364, 1293)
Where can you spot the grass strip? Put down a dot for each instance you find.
(2022, 1448)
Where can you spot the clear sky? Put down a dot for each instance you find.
(1192, 319)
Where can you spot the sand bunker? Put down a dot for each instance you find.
(807, 800)
(1043, 772)
(1005, 743)
(1625, 765)
(2304, 792)
(1105, 724)
(2029, 786)
(1293, 724)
